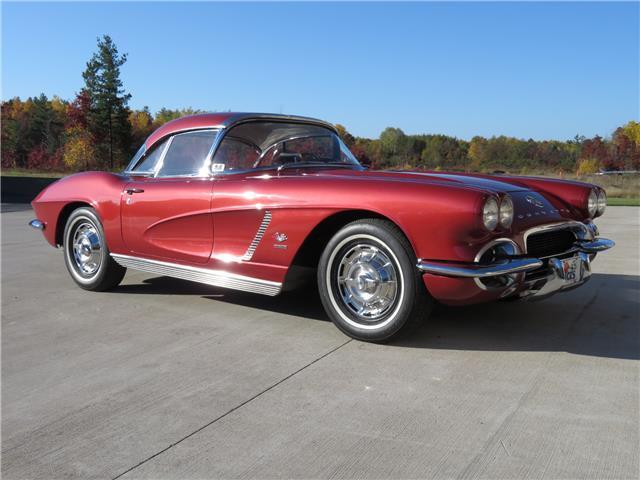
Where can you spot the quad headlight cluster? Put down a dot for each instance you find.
(497, 211)
(596, 202)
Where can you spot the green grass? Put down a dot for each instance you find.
(624, 202)
(20, 172)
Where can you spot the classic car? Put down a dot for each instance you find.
(249, 201)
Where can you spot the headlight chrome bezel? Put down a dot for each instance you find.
(592, 203)
(497, 212)
(505, 212)
(491, 213)
(601, 203)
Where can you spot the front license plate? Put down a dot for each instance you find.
(571, 270)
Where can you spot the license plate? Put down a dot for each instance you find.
(571, 270)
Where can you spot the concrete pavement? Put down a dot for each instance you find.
(168, 379)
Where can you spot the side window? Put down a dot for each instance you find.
(186, 154)
(149, 161)
(234, 154)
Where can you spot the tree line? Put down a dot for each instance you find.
(581, 155)
(98, 130)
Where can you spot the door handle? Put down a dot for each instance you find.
(131, 191)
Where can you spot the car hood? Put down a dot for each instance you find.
(532, 207)
(453, 179)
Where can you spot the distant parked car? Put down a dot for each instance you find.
(618, 172)
(239, 200)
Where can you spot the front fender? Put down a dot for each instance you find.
(100, 190)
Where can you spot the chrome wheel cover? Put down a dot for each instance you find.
(367, 282)
(86, 249)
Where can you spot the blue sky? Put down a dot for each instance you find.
(539, 70)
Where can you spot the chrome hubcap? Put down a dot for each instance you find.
(367, 281)
(87, 249)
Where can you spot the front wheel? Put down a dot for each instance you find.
(86, 254)
(368, 282)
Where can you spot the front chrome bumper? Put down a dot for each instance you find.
(478, 270)
(525, 276)
(508, 265)
(556, 278)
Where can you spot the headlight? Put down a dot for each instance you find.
(506, 212)
(592, 203)
(602, 202)
(490, 213)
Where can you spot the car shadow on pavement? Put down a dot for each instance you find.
(300, 303)
(601, 318)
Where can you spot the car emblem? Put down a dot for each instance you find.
(279, 237)
(534, 201)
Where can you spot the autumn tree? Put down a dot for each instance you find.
(9, 139)
(32, 132)
(141, 126)
(625, 150)
(443, 151)
(109, 115)
(632, 131)
(346, 137)
(477, 153)
(596, 148)
(79, 152)
(393, 145)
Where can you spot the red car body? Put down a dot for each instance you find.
(257, 224)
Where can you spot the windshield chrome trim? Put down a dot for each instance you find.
(160, 161)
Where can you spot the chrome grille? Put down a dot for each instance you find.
(550, 243)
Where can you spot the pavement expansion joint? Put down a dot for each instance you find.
(228, 412)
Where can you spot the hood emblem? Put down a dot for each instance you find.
(534, 201)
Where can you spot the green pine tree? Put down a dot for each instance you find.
(109, 114)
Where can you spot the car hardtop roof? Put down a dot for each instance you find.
(225, 120)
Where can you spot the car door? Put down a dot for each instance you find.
(166, 206)
(238, 217)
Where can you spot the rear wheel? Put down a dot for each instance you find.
(368, 282)
(86, 254)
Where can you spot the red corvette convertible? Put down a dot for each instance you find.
(247, 201)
